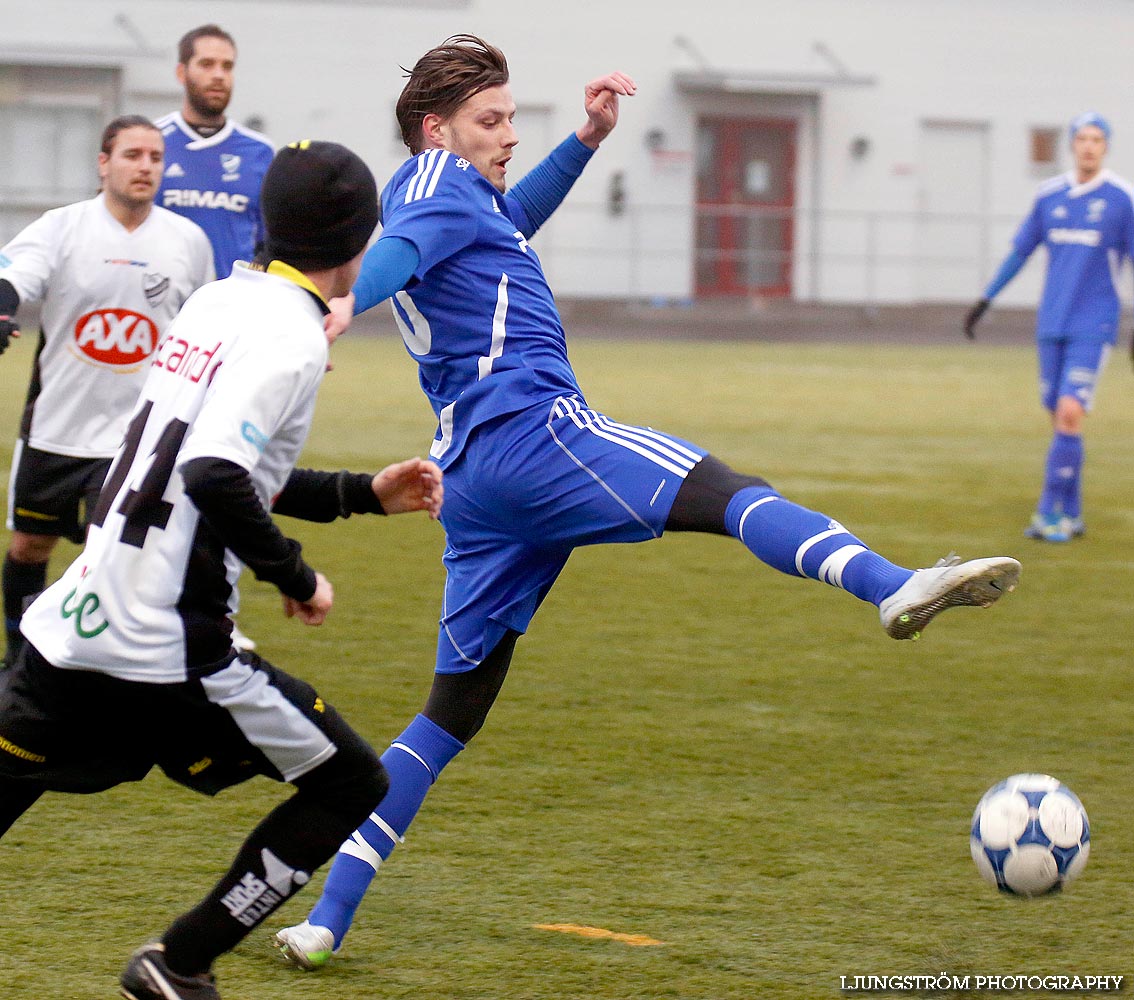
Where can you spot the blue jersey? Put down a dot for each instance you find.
(215, 182)
(477, 315)
(1088, 230)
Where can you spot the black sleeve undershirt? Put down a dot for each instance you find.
(222, 491)
(324, 496)
(9, 298)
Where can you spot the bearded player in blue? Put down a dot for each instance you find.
(1085, 219)
(214, 166)
(532, 471)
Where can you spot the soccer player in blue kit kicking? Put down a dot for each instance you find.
(532, 471)
(1085, 219)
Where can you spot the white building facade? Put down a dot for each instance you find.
(861, 151)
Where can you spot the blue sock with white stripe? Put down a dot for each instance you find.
(1072, 468)
(801, 542)
(413, 763)
(1061, 475)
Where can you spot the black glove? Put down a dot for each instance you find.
(973, 317)
(8, 326)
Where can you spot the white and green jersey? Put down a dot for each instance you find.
(108, 295)
(235, 379)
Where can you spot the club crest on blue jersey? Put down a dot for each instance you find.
(230, 163)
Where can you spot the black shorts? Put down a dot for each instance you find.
(80, 731)
(52, 494)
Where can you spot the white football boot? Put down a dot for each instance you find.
(949, 584)
(306, 945)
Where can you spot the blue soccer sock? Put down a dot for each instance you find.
(1073, 481)
(1061, 475)
(801, 542)
(413, 763)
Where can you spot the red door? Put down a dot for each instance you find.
(745, 206)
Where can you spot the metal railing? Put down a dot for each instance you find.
(854, 255)
(870, 256)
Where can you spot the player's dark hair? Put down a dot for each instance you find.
(188, 44)
(443, 79)
(110, 133)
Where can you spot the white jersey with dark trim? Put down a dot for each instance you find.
(235, 378)
(215, 182)
(108, 294)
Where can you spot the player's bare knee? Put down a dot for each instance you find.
(26, 548)
(1069, 414)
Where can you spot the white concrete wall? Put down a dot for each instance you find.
(331, 70)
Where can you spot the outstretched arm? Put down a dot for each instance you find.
(386, 270)
(542, 190)
(223, 492)
(9, 303)
(1008, 270)
(601, 104)
(414, 484)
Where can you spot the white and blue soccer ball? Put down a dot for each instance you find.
(1030, 835)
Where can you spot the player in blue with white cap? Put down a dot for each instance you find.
(1085, 219)
(535, 470)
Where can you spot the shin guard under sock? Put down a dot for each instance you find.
(1061, 475)
(413, 763)
(801, 542)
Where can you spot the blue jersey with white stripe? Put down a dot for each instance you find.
(1088, 230)
(477, 315)
(215, 182)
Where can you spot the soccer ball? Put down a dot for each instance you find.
(1030, 835)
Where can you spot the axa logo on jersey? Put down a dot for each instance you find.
(192, 198)
(116, 337)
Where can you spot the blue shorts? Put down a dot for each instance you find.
(528, 489)
(1070, 367)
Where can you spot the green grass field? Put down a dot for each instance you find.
(690, 747)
